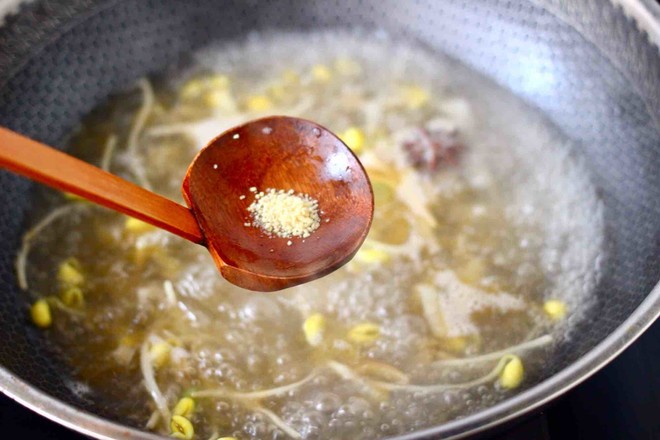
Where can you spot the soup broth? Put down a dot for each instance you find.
(482, 254)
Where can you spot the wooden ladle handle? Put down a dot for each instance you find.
(47, 165)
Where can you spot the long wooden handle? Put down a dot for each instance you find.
(47, 165)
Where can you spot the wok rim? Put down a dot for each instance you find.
(647, 16)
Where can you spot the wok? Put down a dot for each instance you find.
(592, 66)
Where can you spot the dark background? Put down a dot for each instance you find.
(621, 402)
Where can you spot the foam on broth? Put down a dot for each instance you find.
(458, 264)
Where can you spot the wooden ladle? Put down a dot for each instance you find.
(275, 152)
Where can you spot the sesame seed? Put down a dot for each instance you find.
(236, 136)
(285, 214)
(253, 189)
(289, 243)
(215, 166)
(241, 197)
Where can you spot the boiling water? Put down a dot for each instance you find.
(482, 215)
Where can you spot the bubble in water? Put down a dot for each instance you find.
(222, 407)
(448, 398)
(257, 307)
(357, 405)
(368, 432)
(283, 359)
(335, 423)
(327, 402)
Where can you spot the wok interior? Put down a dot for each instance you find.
(595, 101)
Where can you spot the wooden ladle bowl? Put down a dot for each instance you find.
(281, 153)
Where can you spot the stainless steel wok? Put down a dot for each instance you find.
(592, 66)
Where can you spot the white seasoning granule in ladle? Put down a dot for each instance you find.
(285, 214)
